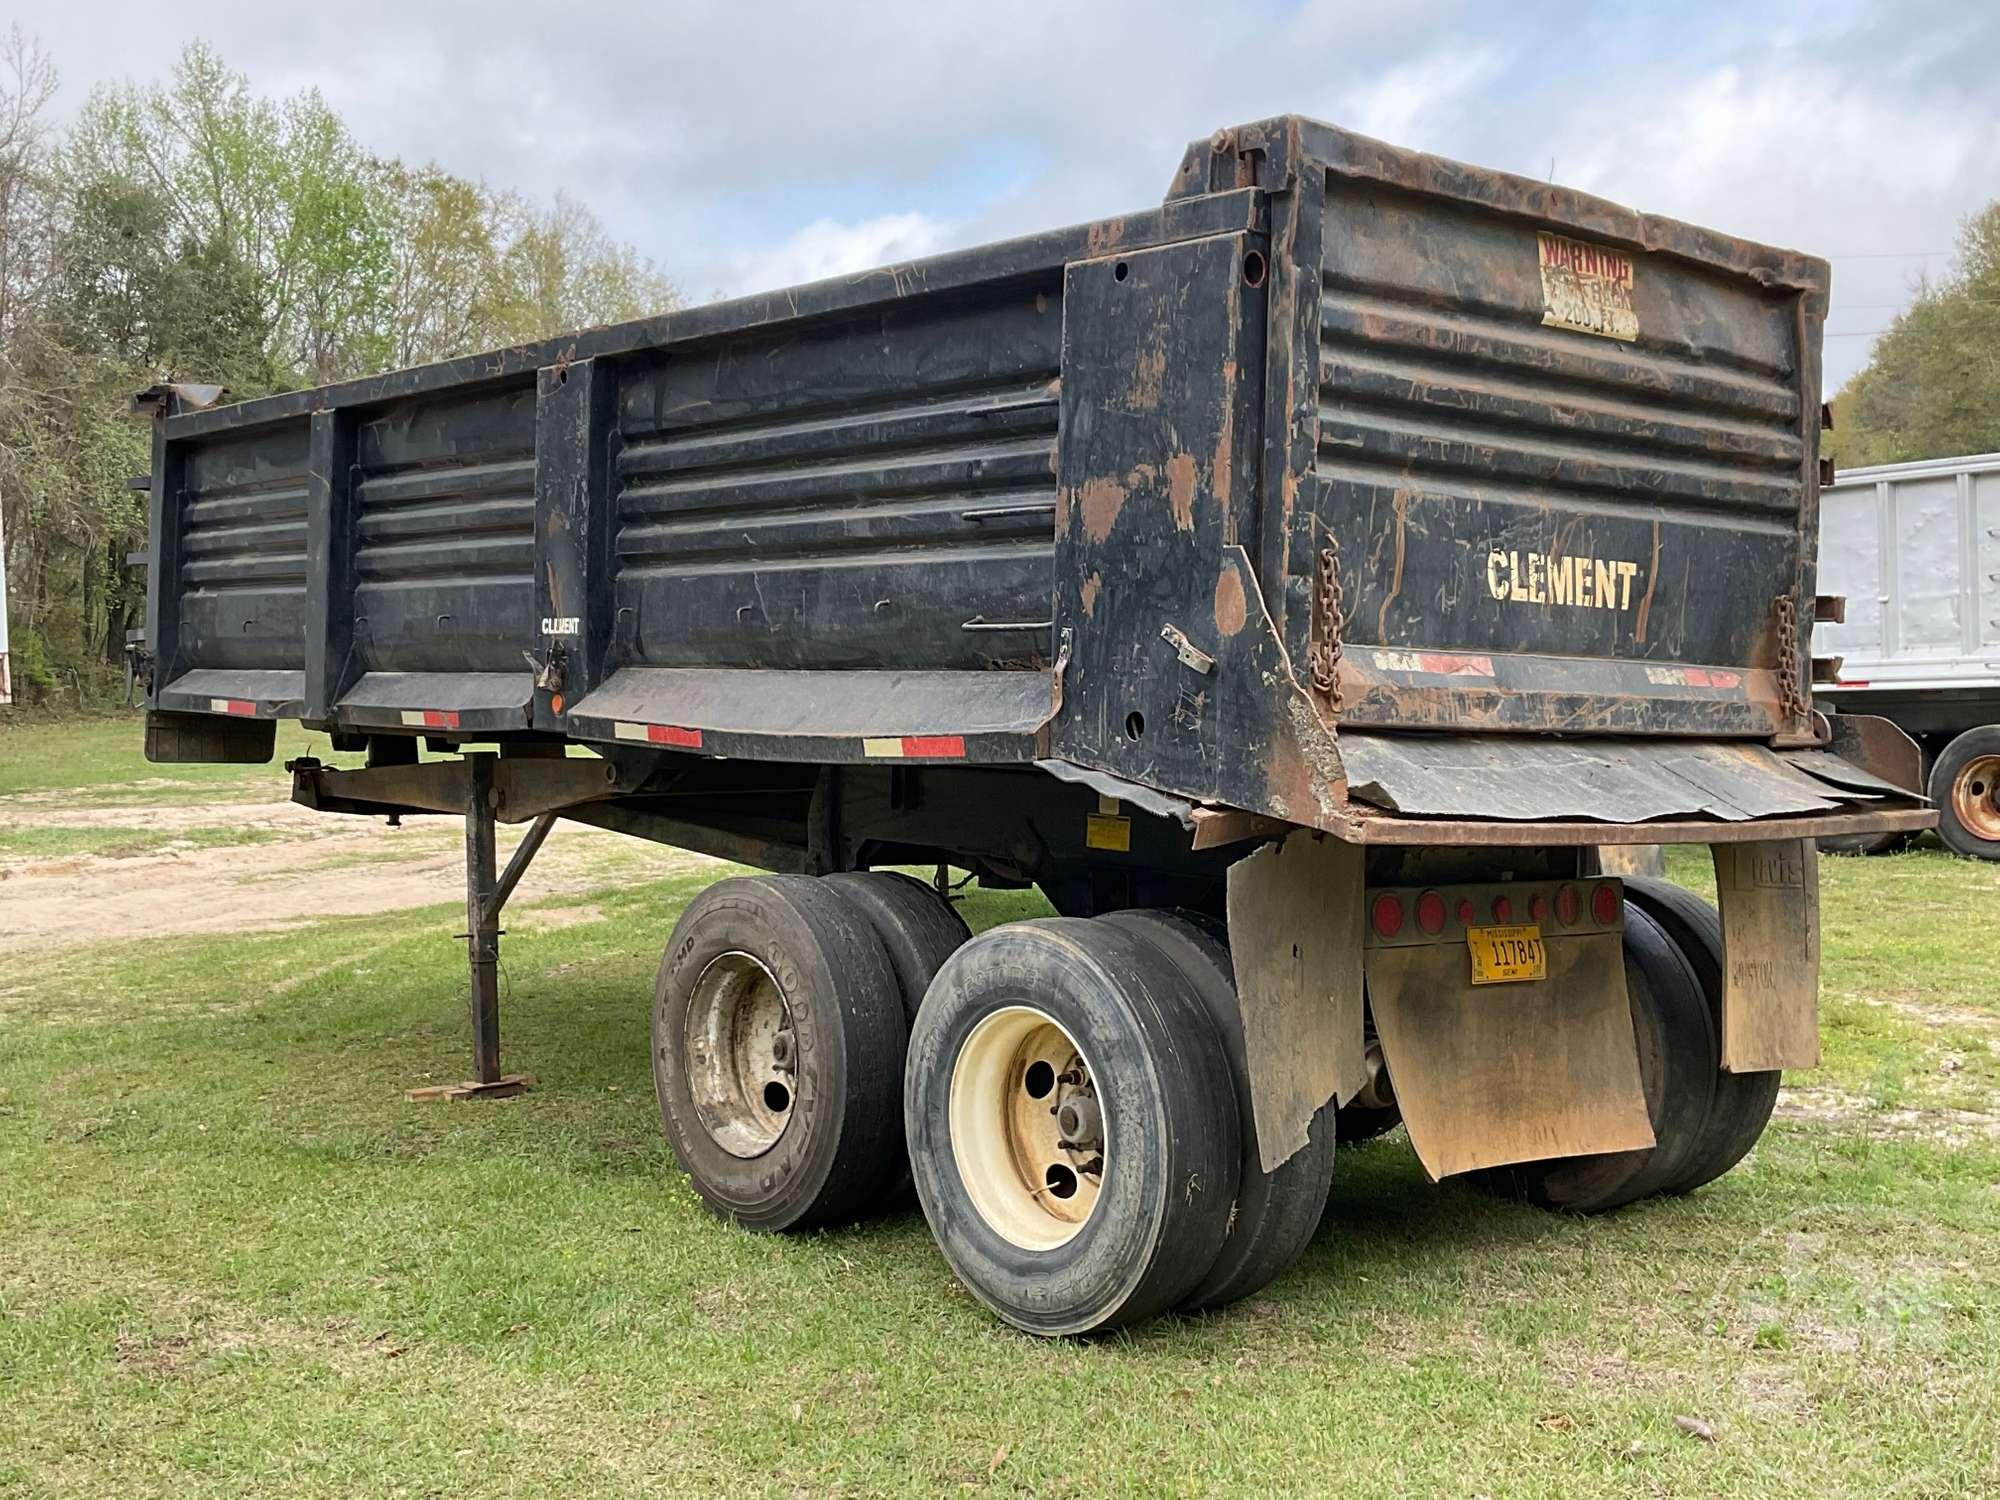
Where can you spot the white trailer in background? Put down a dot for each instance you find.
(1915, 548)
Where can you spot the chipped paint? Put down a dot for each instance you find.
(1102, 499)
(1231, 609)
(1182, 478)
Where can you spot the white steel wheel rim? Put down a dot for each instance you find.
(742, 1056)
(1027, 1133)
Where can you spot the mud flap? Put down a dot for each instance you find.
(1769, 895)
(1295, 942)
(1498, 1073)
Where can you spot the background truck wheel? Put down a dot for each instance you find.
(917, 926)
(1276, 1213)
(1965, 785)
(1677, 1052)
(1072, 1126)
(1743, 1101)
(778, 1041)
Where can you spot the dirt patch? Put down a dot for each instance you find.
(1831, 1106)
(319, 866)
(1937, 1014)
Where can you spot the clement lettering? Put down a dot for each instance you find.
(1518, 577)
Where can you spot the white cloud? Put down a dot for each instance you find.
(1405, 102)
(745, 146)
(828, 247)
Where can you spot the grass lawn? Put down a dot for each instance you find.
(234, 1260)
(101, 757)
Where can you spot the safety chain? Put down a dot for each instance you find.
(1792, 696)
(1328, 621)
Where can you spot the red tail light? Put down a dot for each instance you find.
(1430, 912)
(1503, 909)
(1388, 916)
(1467, 915)
(1569, 905)
(1538, 907)
(1604, 904)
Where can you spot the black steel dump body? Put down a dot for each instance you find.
(1350, 488)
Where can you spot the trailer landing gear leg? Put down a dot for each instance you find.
(484, 897)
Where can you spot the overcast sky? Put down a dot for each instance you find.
(756, 144)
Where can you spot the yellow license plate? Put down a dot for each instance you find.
(1507, 955)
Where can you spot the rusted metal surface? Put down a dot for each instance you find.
(514, 791)
(1484, 462)
(1484, 833)
(1341, 442)
(1878, 746)
(1156, 485)
(1615, 781)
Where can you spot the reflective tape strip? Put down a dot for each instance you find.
(430, 718)
(240, 706)
(916, 747)
(659, 734)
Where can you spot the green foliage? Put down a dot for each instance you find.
(1932, 388)
(194, 230)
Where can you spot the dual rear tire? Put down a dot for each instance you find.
(1075, 1096)
(1075, 1092)
(1704, 1120)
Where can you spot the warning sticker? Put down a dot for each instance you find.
(1587, 288)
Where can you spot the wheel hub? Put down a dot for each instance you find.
(1027, 1130)
(1975, 797)
(741, 1054)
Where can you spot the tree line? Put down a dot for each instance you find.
(1931, 388)
(192, 229)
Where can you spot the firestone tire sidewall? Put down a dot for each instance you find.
(1170, 1125)
(842, 1136)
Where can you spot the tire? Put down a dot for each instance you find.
(818, 1141)
(1090, 1015)
(1741, 1108)
(1677, 1051)
(917, 926)
(1965, 785)
(920, 930)
(1275, 1213)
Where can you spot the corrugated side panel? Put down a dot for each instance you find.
(1915, 550)
(445, 534)
(1500, 480)
(846, 495)
(243, 551)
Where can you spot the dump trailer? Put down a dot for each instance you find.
(1914, 548)
(1298, 582)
